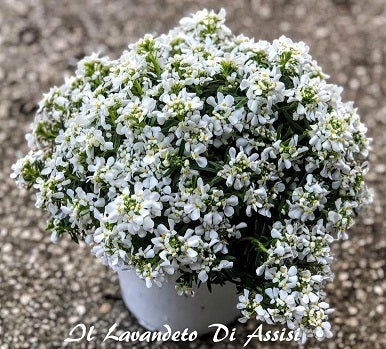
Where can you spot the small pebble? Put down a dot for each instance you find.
(105, 308)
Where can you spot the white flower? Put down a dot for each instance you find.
(197, 150)
(238, 171)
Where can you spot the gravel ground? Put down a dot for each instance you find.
(45, 289)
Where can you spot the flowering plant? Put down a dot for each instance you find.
(206, 155)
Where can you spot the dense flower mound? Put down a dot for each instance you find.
(209, 156)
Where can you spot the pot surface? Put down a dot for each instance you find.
(153, 307)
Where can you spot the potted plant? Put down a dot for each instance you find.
(200, 160)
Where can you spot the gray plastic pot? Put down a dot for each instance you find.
(153, 307)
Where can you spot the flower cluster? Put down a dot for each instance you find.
(206, 155)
